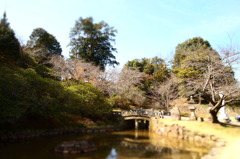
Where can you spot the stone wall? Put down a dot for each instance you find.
(202, 110)
(176, 131)
(180, 132)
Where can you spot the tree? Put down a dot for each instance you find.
(46, 51)
(190, 61)
(92, 42)
(80, 70)
(43, 42)
(206, 73)
(155, 69)
(43, 46)
(188, 45)
(123, 88)
(216, 78)
(9, 45)
(164, 92)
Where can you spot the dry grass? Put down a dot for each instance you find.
(225, 131)
(179, 102)
(228, 132)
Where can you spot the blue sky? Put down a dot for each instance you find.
(146, 28)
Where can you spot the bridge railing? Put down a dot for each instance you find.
(142, 112)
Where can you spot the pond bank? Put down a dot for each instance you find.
(225, 136)
(32, 134)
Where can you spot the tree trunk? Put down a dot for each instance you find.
(214, 110)
(216, 106)
(214, 116)
(199, 99)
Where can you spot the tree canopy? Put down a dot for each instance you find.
(92, 42)
(205, 73)
(189, 45)
(44, 42)
(155, 67)
(9, 44)
(44, 88)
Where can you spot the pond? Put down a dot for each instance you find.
(139, 144)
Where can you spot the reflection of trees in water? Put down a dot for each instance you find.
(146, 149)
(128, 144)
(164, 141)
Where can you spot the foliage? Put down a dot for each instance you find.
(165, 92)
(27, 98)
(134, 97)
(191, 61)
(9, 45)
(206, 74)
(155, 68)
(89, 101)
(43, 42)
(123, 87)
(45, 49)
(24, 94)
(189, 45)
(27, 61)
(92, 42)
(185, 52)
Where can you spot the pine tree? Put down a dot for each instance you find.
(9, 44)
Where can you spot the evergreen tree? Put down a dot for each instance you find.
(192, 61)
(155, 67)
(92, 42)
(9, 44)
(43, 42)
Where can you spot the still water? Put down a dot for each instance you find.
(132, 144)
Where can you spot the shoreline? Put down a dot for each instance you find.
(33, 134)
(228, 136)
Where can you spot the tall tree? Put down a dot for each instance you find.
(190, 61)
(9, 44)
(46, 50)
(93, 42)
(205, 72)
(43, 42)
(216, 79)
(189, 45)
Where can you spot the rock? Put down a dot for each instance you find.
(75, 147)
(175, 113)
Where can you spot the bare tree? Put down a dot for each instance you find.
(215, 76)
(129, 78)
(107, 81)
(50, 60)
(125, 85)
(165, 92)
(81, 71)
(58, 64)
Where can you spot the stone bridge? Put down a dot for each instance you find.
(140, 115)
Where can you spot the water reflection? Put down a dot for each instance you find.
(122, 145)
(112, 155)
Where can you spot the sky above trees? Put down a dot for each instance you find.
(146, 28)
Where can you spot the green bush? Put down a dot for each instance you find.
(88, 100)
(29, 99)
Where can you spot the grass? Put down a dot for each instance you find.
(228, 132)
